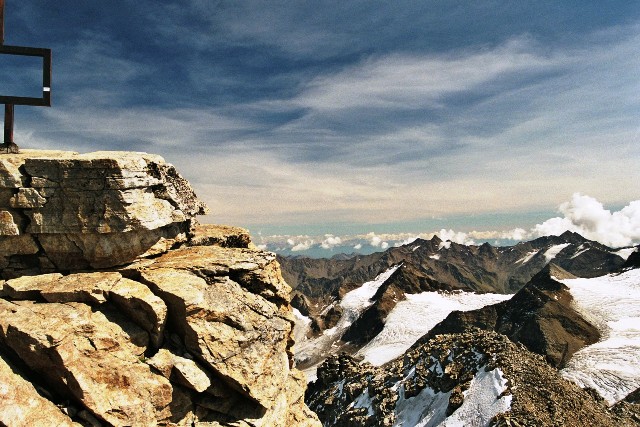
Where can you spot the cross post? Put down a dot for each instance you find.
(8, 108)
(9, 102)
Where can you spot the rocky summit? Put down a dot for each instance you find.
(118, 309)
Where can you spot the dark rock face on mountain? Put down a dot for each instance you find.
(634, 259)
(474, 378)
(540, 316)
(629, 407)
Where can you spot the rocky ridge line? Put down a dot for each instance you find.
(435, 379)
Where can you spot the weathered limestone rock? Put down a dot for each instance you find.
(239, 335)
(100, 339)
(190, 326)
(22, 406)
(83, 354)
(185, 371)
(220, 235)
(93, 210)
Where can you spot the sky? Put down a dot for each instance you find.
(331, 118)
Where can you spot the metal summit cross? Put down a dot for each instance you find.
(8, 146)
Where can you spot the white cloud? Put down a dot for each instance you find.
(374, 240)
(401, 81)
(514, 234)
(456, 237)
(406, 241)
(357, 246)
(586, 215)
(302, 246)
(377, 241)
(330, 241)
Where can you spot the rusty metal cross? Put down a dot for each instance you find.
(8, 145)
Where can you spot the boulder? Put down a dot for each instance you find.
(94, 210)
(197, 336)
(241, 336)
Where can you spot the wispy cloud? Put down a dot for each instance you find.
(345, 112)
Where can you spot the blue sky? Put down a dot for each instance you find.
(289, 116)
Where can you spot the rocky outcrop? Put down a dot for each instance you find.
(68, 211)
(475, 378)
(540, 316)
(200, 334)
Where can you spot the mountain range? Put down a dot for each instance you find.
(459, 277)
(374, 328)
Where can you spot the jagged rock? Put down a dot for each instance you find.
(240, 335)
(191, 326)
(93, 210)
(432, 383)
(540, 316)
(437, 266)
(28, 287)
(186, 372)
(92, 356)
(87, 336)
(133, 298)
(22, 406)
(220, 235)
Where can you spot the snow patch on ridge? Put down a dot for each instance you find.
(301, 325)
(482, 401)
(428, 408)
(612, 304)
(581, 249)
(417, 315)
(445, 245)
(359, 299)
(527, 257)
(554, 250)
(625, 253)
(353, 304)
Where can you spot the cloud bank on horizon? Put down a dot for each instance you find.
(351, 112)
(582, 214)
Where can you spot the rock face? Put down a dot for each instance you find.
(475, 378)
(540, 316)
(67, 211)
(198, 335)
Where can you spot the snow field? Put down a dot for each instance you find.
(612, 303)
(417, 315)
(554, 250)
(353, 304)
